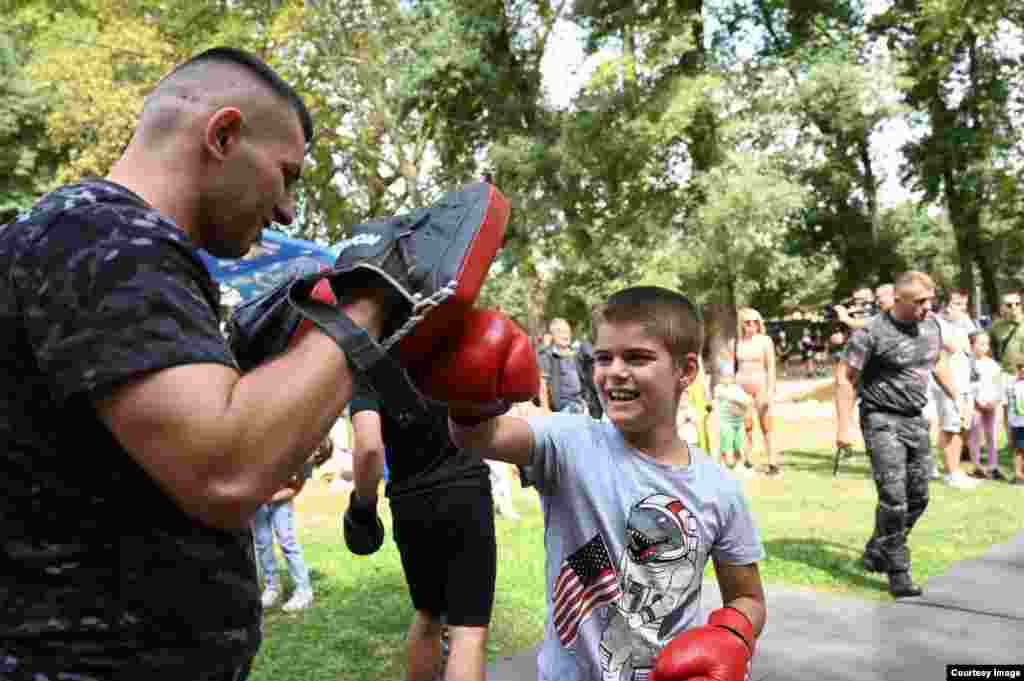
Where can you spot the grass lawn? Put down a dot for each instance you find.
(813, 526)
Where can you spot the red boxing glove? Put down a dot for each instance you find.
(718, 651)
(488, 362)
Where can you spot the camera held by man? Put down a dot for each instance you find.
(853, 308)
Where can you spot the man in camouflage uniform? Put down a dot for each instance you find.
(133, 453)
(889, 361)
(1008, 343)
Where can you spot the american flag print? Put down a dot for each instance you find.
(586, 581)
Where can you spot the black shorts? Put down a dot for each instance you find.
(449, 554)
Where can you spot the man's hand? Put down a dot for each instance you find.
(844, 440)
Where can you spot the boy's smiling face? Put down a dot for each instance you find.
(639, 383)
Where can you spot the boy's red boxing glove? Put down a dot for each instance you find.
(718, 651)
(486, 365)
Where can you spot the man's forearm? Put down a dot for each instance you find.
(367, 472)
(280, 411)
(545, 399)
(945, 381)
(845, 395)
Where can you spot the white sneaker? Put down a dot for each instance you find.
(935, 475)
(300, 600)
(960, 481)
(269, 598)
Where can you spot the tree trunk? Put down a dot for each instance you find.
(719, 331)
(989, 288)
(534, 303)
(870, 186)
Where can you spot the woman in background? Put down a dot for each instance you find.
(755, 373)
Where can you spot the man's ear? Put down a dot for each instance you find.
(223, 132)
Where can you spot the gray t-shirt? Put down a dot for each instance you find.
(896, 360)
(626, 541)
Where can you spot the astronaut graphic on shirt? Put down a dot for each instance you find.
(657, 582)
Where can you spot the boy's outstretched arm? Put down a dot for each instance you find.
(741, 589)
(502, 438)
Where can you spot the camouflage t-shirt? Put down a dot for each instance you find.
(1008, 335)
(895, 360)
(102, 576)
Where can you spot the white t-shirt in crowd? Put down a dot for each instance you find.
(989, 386)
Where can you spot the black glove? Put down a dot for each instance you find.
(363, 530)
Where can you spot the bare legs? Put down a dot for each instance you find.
(467, 648)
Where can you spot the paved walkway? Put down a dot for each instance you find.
(973, 614)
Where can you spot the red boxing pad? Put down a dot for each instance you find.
(477, 217)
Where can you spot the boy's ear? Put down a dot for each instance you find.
(690, 366)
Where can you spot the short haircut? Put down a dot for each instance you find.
(870, 291)
(558, 320)
(666, 315)
(258, 68)
(915, 278)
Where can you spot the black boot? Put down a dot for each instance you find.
(900, 585)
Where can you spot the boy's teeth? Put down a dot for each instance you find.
(622, 394)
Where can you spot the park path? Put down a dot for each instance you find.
(973, 614)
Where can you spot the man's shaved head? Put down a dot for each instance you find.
(219, 148)
(214, 79)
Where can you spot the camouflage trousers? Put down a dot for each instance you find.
(901, 460)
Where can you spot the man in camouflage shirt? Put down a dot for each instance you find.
(1008, 343)
(133, 453)
(889, 361)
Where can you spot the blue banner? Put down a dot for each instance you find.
(275, 257)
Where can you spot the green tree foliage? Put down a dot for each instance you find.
(26, 159)
(962, 65)
(97, 59)
(730, 148)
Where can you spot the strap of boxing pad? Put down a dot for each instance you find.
(363, 354)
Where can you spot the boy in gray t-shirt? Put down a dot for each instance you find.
(632, 513)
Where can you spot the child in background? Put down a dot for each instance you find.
(1015, 412)
(733, 404)
(988, 395)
